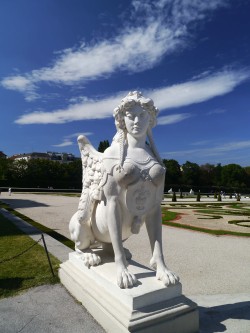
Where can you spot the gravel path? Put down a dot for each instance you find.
(207, 265)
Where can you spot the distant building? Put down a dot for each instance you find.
(61, 157)
(2, 155)
(49, 156)
(30, 156)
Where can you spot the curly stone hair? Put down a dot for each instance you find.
(132, 99)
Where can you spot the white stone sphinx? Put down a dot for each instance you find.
(122, 189)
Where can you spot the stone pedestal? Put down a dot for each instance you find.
(148, 307)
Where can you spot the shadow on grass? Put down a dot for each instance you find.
(12, 283)
(8, 229)
(212, 318)
(23, 203)
(43, 229)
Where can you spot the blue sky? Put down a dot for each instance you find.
(65, 65)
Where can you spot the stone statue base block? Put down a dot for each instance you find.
(148, 307)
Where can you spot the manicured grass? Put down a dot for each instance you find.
(223, 212)
(41, 227)
(20, 272)
(242, 223)
(209, 217)
(168, 215)
(208, 231)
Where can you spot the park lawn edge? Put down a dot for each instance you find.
(52, 233)
(24, 265)
(165, 221)
(219, 232)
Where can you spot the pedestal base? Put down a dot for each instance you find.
(148, 307)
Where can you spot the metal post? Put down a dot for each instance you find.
(45, 247)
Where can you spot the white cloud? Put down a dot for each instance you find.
(82, 111)
(22, 84)
(198, 91)
(67, 142)
(201, 143)
(173, 118)
(178, 95)
(157, 29)
(210, 151)
(216, 111)
(75, 135)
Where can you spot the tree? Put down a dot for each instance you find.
(173, 172)
(247, 170)
(103, 145)
(233, 175)
(217, 175)
(207, 174)
(4, 166)
(191, 173)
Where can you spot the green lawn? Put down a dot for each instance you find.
(52, 233)
(208, 213)
(27, 270)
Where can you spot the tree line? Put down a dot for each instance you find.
(206, 177)
(40, 173)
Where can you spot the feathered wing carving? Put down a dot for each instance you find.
(92, 176)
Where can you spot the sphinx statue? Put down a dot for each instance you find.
(122, 190)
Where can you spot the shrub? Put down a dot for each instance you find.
(174, 199)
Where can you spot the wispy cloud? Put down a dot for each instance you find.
(217, 150)
(65, 143)
(216, 111)
(67, 140)
(201, 143)
(173, 118)
(157, 28)
(23, 84)
(75, 135)
(179, 95)
(82, 111)
(197, 91)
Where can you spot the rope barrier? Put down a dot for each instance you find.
(21, 253)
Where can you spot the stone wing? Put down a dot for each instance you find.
(91, 178)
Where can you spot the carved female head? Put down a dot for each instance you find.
(132, 100)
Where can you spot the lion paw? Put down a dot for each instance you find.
(90, 259)
(125, 279)
(166, 276)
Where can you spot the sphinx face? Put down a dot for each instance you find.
(137, 121)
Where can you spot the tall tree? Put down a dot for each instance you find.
(103, 145)
(191, 173)
(207, 175)
(233, 175)
(173, 172)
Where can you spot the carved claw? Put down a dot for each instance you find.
(125, 279)
(164, 274)
(167, 277)
(90, 259)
